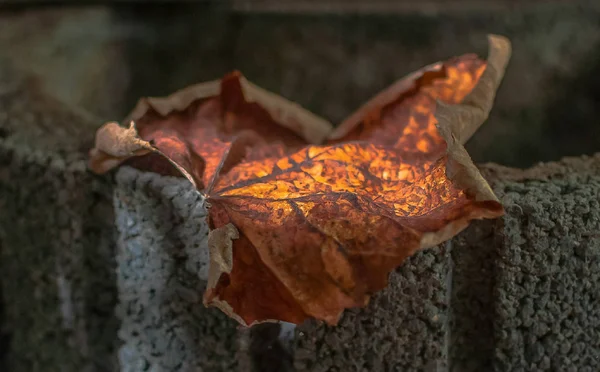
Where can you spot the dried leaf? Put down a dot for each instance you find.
(402, 116)
(328, 225)
(303, 231)
(457, 123)
(331, 222)
(114, 144)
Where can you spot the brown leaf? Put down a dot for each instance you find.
(303, 231)
(329, 227)
(331, 222)
(402, 116)
(250, 272)
(457, 123)
(114, 144)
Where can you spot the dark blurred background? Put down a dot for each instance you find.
(330, 56)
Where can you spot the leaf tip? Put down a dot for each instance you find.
(114, 144)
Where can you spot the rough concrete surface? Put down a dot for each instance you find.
(161, 277)
(516, 278)
(404, 328)
(547, 313)
(472, 298)
(56, 236)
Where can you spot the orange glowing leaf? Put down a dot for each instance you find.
(329, 227)
(319, 231)
(301, 231)
(402, 116)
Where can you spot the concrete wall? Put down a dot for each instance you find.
(161, 275)
(513, 294)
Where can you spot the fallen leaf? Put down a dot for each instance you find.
(301, 231)
(331, 222)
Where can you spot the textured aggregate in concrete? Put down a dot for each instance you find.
(547, 313)
(161, 276)
(404, 328)
(524, 285)
(472, 298)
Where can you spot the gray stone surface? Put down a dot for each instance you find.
(524, 286)
(404, 328)
(472, 298)
(547, 313)
(56, 236)
(161, 276)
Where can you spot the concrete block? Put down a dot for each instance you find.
(547, 312)
(522, 285)
(56, 236)
(521, 290)
(472, 298)
(490, 299)
(162, 269)
(404, 328)
(161, 277)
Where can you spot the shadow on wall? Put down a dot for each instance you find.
(573, 112)
(563, 121)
